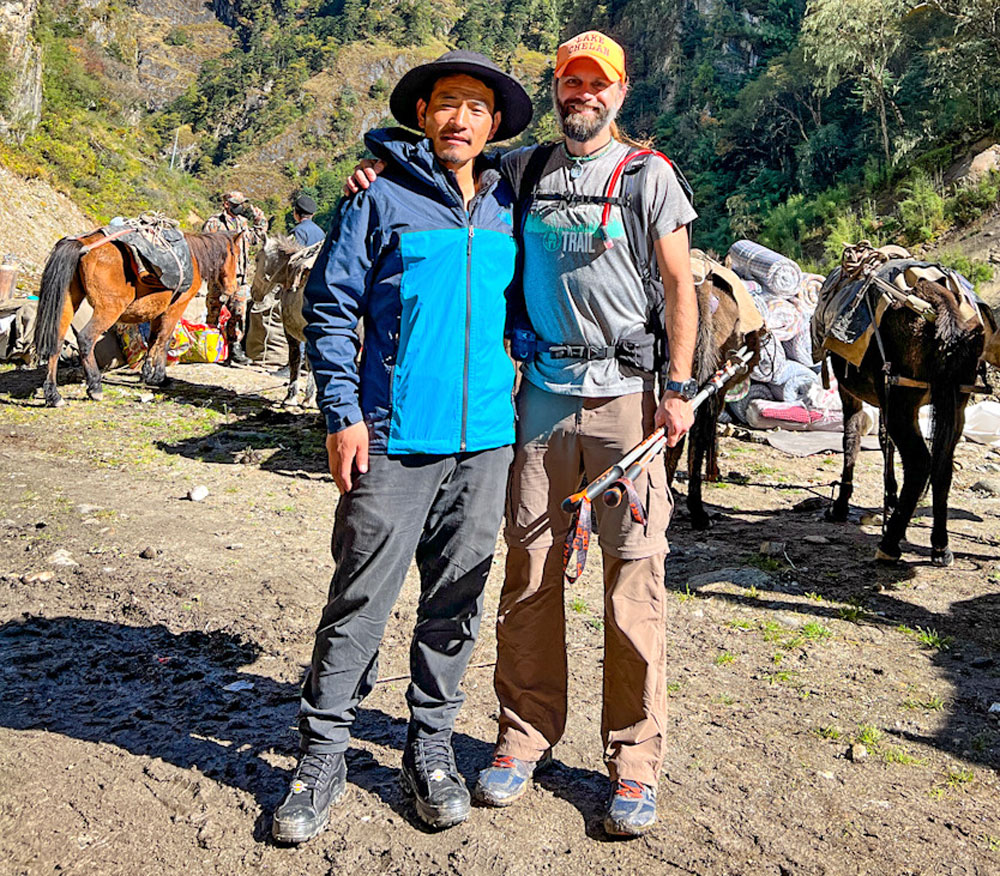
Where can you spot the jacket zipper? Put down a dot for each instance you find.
(468, 336)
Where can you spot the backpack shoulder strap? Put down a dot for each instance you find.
(533, 170)
(529, 181)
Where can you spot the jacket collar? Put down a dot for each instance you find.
(412, 155)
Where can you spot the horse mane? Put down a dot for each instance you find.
(211, 251)
(286, 246)
(706, 355)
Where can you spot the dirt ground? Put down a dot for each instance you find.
(827, 716)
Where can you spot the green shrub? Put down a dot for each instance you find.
(177, 37)
(975, 271)
(921, 212)
(970, 202)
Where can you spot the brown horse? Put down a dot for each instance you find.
(934, 363)
(106, 277)
(719, 335)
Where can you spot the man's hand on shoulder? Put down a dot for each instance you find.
(366, 171)
(347, 451)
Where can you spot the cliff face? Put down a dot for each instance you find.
(20, 69)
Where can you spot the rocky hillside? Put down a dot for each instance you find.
(33, 216)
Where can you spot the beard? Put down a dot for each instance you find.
(582, 126)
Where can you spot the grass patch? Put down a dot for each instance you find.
(815, 632)
(931, 704)
(814, 596)
(959, 779)
(764, 563)
(578, 604)
(929, 638)
(686, 595)
(895, 754)
(724, 658)
(740, 624)
(869, 736)
(828, 731)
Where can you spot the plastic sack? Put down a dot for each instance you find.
(982, 423)
(197, 342)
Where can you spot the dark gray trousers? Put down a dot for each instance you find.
(443, 510)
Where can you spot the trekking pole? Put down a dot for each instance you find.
(619, 487)
(618, 478)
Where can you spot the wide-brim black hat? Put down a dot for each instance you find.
(512, 100)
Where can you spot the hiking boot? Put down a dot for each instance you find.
(237, 355)
(318, 782)
(430, 776)
(631, 809)
(507, 779)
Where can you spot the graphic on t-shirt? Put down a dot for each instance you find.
(577, 238)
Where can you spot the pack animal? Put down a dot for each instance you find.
(720, 333)
(912, 362)
(107, 277)
(283, 267)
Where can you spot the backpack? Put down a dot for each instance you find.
(648, 350)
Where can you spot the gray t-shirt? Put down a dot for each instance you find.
(576, 290)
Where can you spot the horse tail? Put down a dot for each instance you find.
(957, 348)
(59, 271)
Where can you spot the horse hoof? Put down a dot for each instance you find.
(59, 402)
(942, 557)
(834, 515)
(96, 395)
(290, 402)
(882, 557)
(701, 523)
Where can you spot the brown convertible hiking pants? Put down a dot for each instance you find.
(559, 438)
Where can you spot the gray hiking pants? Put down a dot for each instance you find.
(445, 511)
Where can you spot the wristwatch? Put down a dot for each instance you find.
(687, 389)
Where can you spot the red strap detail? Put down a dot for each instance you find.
(634, 502)
(606, 212)
(630, 789)
(504, 761)
(578, 540)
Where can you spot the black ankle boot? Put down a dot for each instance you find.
(317, 783)
(237, 355)
(430, 776)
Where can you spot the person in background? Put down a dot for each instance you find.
(306, 232)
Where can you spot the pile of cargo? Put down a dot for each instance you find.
(785, 387)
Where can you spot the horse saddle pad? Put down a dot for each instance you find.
(846, 317)
(156, 249)
(702, 266)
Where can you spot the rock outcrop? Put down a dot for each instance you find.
(20, 69)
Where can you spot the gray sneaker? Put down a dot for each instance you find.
(631, 808)
(507, 779)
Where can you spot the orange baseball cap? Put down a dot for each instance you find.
(610, 56)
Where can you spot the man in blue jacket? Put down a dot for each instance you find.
(305, 232)
(419, 426)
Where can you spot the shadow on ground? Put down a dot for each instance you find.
(969, 630)
(163, 695)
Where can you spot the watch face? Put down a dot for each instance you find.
(689, 388)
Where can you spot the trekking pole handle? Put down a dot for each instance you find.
(611, 474)
(614, 492)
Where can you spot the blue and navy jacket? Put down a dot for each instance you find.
(429, 282)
